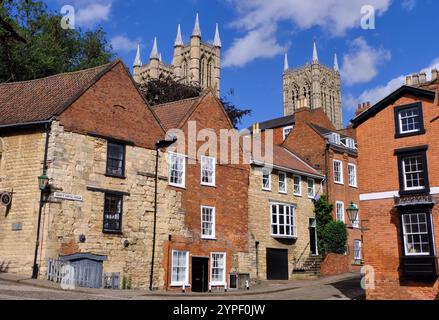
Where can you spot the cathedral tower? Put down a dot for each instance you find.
(313, 86)
(196, 63)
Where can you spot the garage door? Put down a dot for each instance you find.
(277, 264)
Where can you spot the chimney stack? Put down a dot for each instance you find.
(256, 128)
(422, 78)
(362, 107)
(408, 80)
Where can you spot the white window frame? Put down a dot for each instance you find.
(292, 224)
(284, 182)
(209, 237)
(213, 159)
(299, 194)
(401, 131)
(341, 171)
(223, 282)
(269, 181)
(418, 233)
(183, 178)
(405, 173)
(285, 135)
(186, 281)
(355, 184)
(358, 250)
(337, 217)
(314, 188)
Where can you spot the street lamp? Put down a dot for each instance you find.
(159, 145)
(352, 211)
(43, 181)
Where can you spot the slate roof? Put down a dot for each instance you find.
(41, 99)
(276, 123)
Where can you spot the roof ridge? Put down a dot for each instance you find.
(176, 101)
(103, 66)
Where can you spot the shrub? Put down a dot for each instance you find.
(335, 237)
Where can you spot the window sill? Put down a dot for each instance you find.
(179, 285)
(208, 185)
(177, 186)
(115, 176)
(409, 134)
(283, 192)
(339, 183)
(297, 195)
(353, 186)
(114, 233)
(267, 190)
(217, 284)
(207, 238)
(283, 237)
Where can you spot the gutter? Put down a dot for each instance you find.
(25, 125)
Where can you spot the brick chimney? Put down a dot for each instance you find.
(362, 107)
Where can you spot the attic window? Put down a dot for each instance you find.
(334, 138)
(349, 143)
(409, 120)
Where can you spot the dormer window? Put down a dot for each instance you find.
(334, 138)
(287, 131)
(349, 143)
(409, 120)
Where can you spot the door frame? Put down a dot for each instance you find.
(205, 260)
(314, 225)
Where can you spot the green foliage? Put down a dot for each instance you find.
(165, 90)
(323, 211)
(33, 44)
(335, 237)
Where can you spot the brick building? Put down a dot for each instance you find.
(312, 136)
(213, 247)
(398, 142)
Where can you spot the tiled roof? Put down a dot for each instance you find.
(41, 99)
(276, 123)
(285, 159)
(172, 114)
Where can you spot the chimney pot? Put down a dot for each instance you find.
(422, 77)
(408, 80)
(415, 79)
(433, 74)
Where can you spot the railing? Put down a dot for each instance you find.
(54, 270)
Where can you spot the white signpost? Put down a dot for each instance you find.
(67, 196)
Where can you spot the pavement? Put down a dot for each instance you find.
(341, 287)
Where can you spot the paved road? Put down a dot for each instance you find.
(342, 290)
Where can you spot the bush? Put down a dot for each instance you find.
(323, 212)
(335, 237)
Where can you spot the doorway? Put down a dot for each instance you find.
(313, 237)
(200, 274)
(277, 264)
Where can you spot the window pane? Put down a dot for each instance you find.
(413, 167)
(112, 212)
(115, 159)
(410, 120)
(416, 234)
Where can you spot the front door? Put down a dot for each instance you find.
(200, 269)
(277, 264)
(313, 236)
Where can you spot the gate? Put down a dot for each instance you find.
(88, 269)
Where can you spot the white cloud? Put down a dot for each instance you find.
(257, 43)
(334, 16)
(123, 44)
(360, 65)
(376, 94)
(408, 5)
(89, 14)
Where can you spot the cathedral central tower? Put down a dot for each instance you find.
(313, 86)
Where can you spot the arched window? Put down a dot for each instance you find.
(202, 71)
(209, 73)
(295, 96)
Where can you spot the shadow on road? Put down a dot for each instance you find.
(350, 288)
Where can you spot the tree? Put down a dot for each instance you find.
(323, 211)
(33, 44)
(335, 237)
(165, 90)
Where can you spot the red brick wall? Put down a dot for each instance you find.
(229, 197)
(335, 264)
(113, 107)
(379, 173)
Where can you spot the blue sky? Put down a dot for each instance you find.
(255, 35)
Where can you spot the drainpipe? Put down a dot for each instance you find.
(327, 169)
(159, 144)
(257, 259)
(35, 268)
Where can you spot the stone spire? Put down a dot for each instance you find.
(160, 57)
(315, 56)
(336, 68)
(154, 52)
(178, 39)
(286, 66)
(138, 59)
(217, 40)
(197, 31)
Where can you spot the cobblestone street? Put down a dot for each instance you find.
(345, 287)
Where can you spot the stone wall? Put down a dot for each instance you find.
(21, 163)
